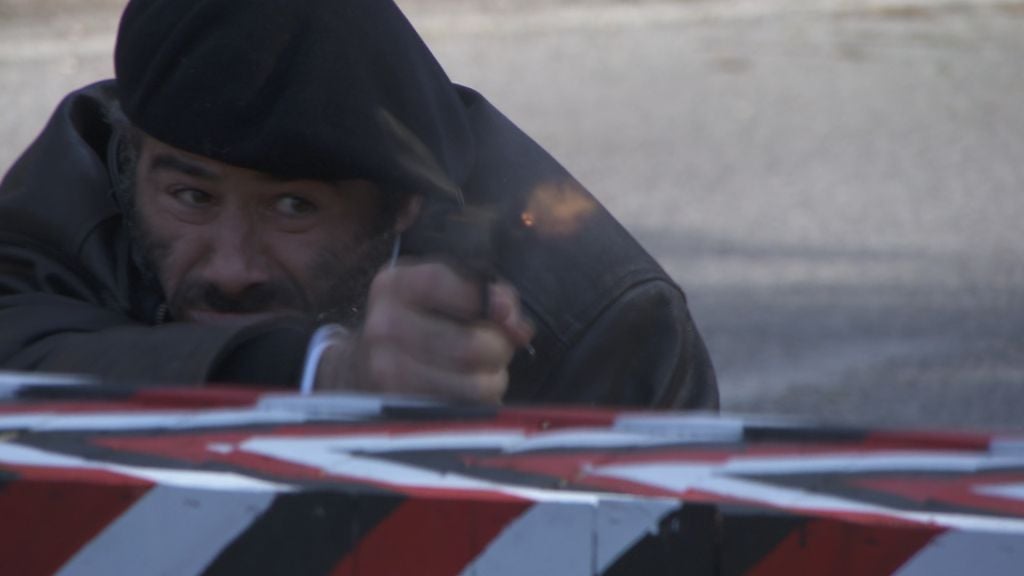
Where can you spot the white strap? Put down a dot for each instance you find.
(396, 248)
(325, 336)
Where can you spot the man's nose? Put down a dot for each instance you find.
(237, 258)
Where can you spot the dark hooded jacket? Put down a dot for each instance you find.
(612, 328)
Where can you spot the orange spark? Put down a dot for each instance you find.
(558, 208)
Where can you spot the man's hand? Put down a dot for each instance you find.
(425, 333)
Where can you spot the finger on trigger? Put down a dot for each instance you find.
(506, 311)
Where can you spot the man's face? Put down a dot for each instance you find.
(231, 245)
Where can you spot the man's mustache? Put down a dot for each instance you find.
(253, 299)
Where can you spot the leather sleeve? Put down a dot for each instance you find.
(642, 350)
(53, 320)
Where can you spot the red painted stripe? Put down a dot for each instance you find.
(46, 519)
(65, 475)
(194, 450)
(928, 440)
(838, 548)
(430, 537)
(149, 400)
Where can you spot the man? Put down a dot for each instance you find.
(293, 190)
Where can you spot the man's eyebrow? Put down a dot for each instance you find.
(179, 164)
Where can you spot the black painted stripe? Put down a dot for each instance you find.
(748, 535)
(304, 533)
(686, 543)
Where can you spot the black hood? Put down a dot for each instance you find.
(323, 89)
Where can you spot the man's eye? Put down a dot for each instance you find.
(192, 197)
(294, 206)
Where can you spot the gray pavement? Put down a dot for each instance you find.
(838, 185)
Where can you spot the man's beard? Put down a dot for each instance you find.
(342, 283)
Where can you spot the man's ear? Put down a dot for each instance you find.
(408, 212)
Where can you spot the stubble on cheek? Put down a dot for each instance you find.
(153, 256)
(148, 252)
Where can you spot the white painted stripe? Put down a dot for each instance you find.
(14, 378)
(674, 477)
(586, 438)
(352, 457)
(683, 427)
(17, 455)
(872, 461)
(709, 479)
(220, 447)
(169, 531)
(562, 538)
(510, 441)
(342, 456)
(549, 538)
(269, 409)
(11, 383)
(1009, 491)
(164, 419)
(317, 446)
(956, 553)
(14, 454)
(342, 404)
(1007, 446)
(204, 479)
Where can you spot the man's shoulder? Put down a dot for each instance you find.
(58, 192)
(568, 256)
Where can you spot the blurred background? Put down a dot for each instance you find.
(837, 184)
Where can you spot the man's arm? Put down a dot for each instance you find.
(54, 319)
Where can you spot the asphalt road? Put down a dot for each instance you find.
(838, 185)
